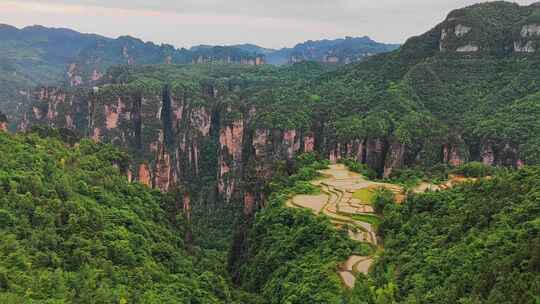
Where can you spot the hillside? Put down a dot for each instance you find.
(238, 151)
(477, 243)
(418, 106)
(76, 231)
(38, 55)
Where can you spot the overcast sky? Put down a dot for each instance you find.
(269, 23)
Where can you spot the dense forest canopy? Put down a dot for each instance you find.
(76, 231)
(477, 243)
(228, 144)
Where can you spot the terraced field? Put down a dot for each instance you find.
(345, 198)
(345, 209)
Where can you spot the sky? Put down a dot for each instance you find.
(268, 23)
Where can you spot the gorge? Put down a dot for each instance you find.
(150, 174)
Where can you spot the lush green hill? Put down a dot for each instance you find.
(477, 243)
(75, 231)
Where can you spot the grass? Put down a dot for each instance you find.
(364, 195)
(366, 218)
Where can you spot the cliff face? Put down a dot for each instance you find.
(91, 64)
(231, 127)
(497, 28)
(3, 123)
(177, 140)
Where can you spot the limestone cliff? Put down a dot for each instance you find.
(3, 123)
(177, 140)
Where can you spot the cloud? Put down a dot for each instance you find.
(272, 23)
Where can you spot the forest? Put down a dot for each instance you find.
(76, 231)
(168, 182)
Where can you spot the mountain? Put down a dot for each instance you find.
(254, 49)
(427, 103)
(337, 51)
(37, 55)
(251, 48)
(459, 102)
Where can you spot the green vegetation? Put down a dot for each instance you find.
(476, 243)
(410, 177)
(75, 231)
(358, 167)
(370, 219)
(291, 255)
(474, 169)
(365, 195)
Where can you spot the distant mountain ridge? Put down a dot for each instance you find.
(38, 55)
(335, 51)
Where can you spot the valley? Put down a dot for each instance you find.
(339, 171)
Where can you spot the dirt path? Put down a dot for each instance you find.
(336, 202)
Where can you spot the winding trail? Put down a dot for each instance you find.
(337, 202)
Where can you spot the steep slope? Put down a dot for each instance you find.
(427, 103)
(289, 255)
(37, 55)
(74, 230)
(476, 243)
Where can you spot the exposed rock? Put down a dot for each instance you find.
(444, 35)
(289, 141)
(112, 113)
(201, 120)
(231, 138)
(163, 172)
(230, 157)
(335, 154)
(129, 175)
(395, 158)
(37, 113)
(249, 203)
(524, 47)
(469, 48)
(260, 140)
(461, 30)
(96, 75)
(374, 154)
(96, 134)
(186, 204)
(309, 143)
(488, 155)
(70, 124)
(452, 155)
(530, 30)
(144, 175)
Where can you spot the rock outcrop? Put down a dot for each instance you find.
(176, 140)
(3, 123)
